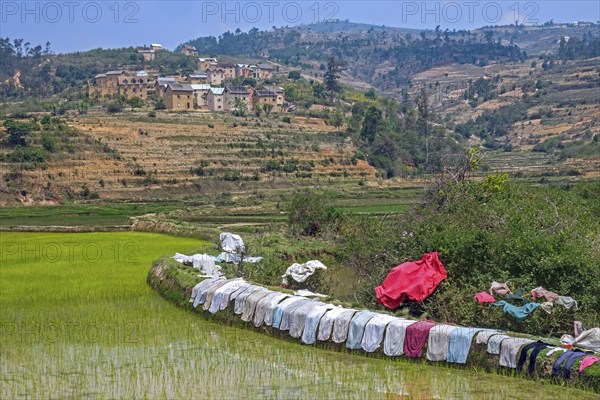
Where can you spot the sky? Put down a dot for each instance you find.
(77, 25)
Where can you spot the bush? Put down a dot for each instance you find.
(27, 155)
(152, 114)
(311, 214)
(115, 107)
(48, 142)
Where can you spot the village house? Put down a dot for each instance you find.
(235, 94)
(214, 99)
(161, 84)
(156, 47)
(270, 96)
(188, 50)
(179, 96)
(206, 63)
(197, 77)
(121, 83)
(147, 54)
(262, 71)
(200, 94)
(215, 76)
(228, 70)
(242, 71)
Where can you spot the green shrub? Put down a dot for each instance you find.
(27, 155)
(311, 214)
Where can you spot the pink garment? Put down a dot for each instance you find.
(500, 288)
(587, 361)
(483, 297)
(541, 292)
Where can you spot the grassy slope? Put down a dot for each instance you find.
(95, 329)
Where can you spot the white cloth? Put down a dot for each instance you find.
(277, 315)
(243, 287)
(308, 293)
(298, 318)
(393, 344)
(301, 272)
(250, 304)
(326, 324)
(201, 294)
(264, 306)
(199, 286)
(484, 335)
(309, 335)
(288, 312)
(509, 349)
(221, 296)
(272, 305)
(438, 342)
(587, 340)
(374, 331)
(211, 293)
(554, 350)
(202, 262)
(231, 243)
(341, 325)
(567, 302)
(494, 343)
(240, 300)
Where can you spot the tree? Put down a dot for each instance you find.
(17, 132)
(370, 124)
(294, 75)
(135, 102)
(423, 112)
(337, 119)
(257, 110)
(331, 77)
(239, 107)
(267, 108)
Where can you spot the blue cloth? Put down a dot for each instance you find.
(309, 335)
(537, 347)
(574, 357)
(567, 355)
(357, 328)
(518, 313)
(460, 344)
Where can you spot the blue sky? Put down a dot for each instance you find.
(74, 25)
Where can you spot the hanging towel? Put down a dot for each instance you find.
(278, 312)
(298, 318)
(460, 344)
(326, 324)
(309, 335)
(393, 344)
(587, 362)
(341, 325)
(416, 337)
(210, 293)
(357, 328)
(494, 343)
(238, 306)
(499, 288)
(263, 306)
(483, 297)
(199, 286)
(374, 331)
(221, 297)
(509, 349)
(250, 304)
(287, 313)
(438, 342)
(201, 295)
(483, 336)
(243, 287)
(518, 313)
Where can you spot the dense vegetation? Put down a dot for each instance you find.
(485, 231)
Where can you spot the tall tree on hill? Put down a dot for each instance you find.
(371, 124)
(331, 77)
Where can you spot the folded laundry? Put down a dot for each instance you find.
(357, 328)
(483, 297)
(416, 337)
(393, 344)
(518, 313)
(509, 348)
(374, 330)
(438, 342)
(460, 344)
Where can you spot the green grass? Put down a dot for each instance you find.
(84, 323)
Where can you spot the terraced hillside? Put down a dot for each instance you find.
(177, 155)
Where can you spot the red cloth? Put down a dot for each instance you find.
(415, 338)
(414, 280)
(483, 297)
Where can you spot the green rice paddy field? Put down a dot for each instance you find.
(79, 321)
